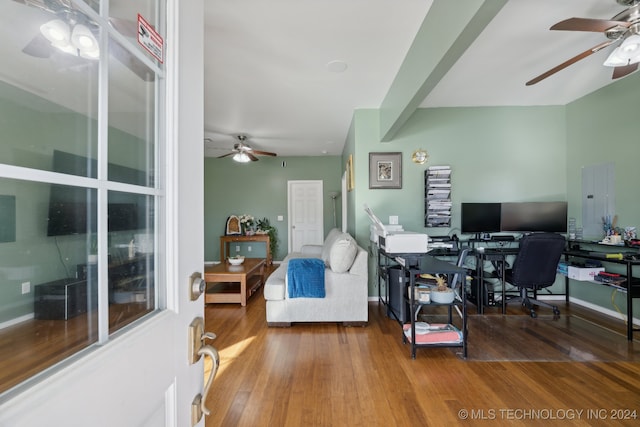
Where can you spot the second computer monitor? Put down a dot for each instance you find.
(534, 216)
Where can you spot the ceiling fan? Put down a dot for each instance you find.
(243, 153)
(624, 27)
(71, 36)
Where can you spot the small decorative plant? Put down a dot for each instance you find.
(265, 227)
(442, 285)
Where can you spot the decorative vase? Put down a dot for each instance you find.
(443, 297)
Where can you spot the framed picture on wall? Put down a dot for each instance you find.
(385, 170)
(350, 178)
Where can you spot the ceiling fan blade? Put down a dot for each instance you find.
(624, 70)
(226, 155)
(251, 156)
(125, 27)
(263, 153)
(38, 47)
(586, 24)
(571, 61)
(130, 61)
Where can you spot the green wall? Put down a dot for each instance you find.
(260, 189)
(603, 127)
(505, 154)
(499, 154)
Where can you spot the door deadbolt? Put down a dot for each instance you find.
(197, 285)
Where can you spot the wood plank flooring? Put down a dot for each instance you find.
(330, 375)
(32, 346)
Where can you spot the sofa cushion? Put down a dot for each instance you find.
(328, 243)
(343, 253)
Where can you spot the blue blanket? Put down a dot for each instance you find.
(306, 278)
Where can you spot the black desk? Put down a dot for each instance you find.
(632, 284)
(491, 254)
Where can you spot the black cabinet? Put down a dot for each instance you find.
(130, 281)
(397, 305)
(62, 299)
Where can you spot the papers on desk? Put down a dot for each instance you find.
(441, 245)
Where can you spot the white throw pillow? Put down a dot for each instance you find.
(342, 254)
(328, 244)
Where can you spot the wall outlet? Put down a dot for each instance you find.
(280, 218)
(238, 248)
(249, 248)
(26, 287)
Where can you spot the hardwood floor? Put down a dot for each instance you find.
(587, 373)
(34, 345)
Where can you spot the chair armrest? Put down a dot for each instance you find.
(311, 250)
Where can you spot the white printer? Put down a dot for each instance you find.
(394, 240)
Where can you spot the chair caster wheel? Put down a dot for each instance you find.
(534, 314)
(556, 311)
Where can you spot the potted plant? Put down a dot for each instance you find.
(264, 226)
(442, 293)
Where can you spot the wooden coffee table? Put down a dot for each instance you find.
(228, 283)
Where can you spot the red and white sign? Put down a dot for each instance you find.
(149, 38)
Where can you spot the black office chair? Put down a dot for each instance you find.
(535, 268)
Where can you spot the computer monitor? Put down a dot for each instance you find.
(534, 216)
(480, 218)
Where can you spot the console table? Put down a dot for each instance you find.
(225, 241)
(631, 259)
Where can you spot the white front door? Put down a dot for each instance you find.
(142, 376)
(306, 222)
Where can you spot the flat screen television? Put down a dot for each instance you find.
(534, 216)
(72, 210)
(480, 218)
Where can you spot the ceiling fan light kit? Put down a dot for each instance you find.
(243, 153)
(75, 39)
(624, 26)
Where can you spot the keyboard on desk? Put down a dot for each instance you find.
(503, 238)
(500, 250)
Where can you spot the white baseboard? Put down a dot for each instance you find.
(602, 310)
(16, 320)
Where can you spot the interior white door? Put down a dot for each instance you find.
(306, 221)
(143, 377)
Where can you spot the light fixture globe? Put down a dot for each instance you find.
(241, 158)
(83, 38)
(56, 31)
(630, 47)
(615, 60)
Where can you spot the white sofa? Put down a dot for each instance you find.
(346, 281)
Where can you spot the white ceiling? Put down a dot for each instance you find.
(266, 70)
(267, 76)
